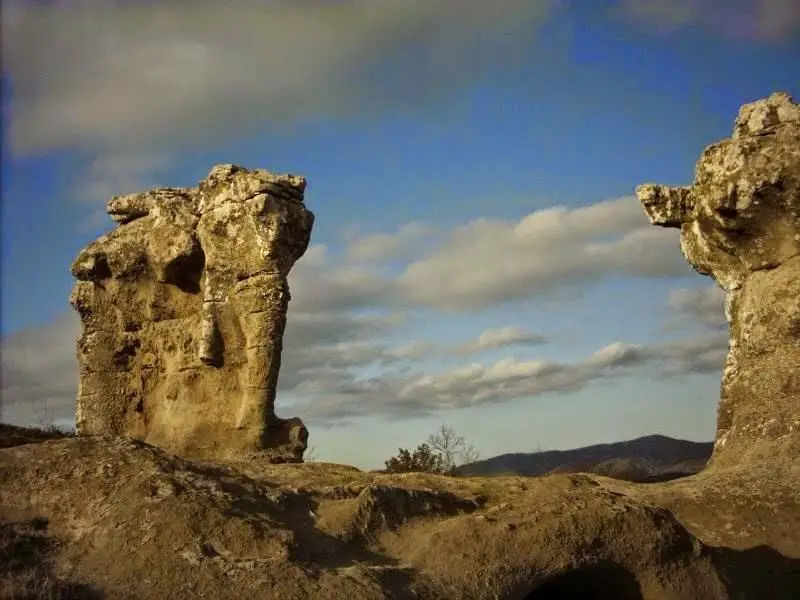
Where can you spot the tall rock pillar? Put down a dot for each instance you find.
(740, 224)
(183, 307)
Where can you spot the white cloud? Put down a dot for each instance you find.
(318, 283)
(325, 346)
(414, 350)
(345, 320)
(703, 353)
(767, 20)
(116, 174)
(491, 339)
(122, 81)
(322, 358)
(486, 262)
(501, 337)
(39, 372)
(619, 355)
(644, 252)
(703, 306)
(377, 247)
(412, 395)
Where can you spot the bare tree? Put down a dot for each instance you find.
(453, 449)
(310, 455)
(45, 414)
(539, 449)
(469, 454)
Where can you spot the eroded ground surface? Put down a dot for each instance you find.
(126, 520)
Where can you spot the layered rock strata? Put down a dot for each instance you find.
(183, 307)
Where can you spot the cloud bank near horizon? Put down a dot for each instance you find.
(342, 354)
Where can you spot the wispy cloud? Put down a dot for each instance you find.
(486, 262)
(402, 244)
(39, 372)
(703, 306)
(501, 337)
(349, 347)
(320, 283)
(414, 395)
(124, 81)
(764, 20)
(491, 339)
(325, 354)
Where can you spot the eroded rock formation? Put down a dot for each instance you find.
(183, 308)
(740, 224)
(123, 519)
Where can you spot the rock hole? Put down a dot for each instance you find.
(101, 269)
(208, 550)
(124, 354)
(728, 213)
(132, 327)
(600, 580)
(186, 271)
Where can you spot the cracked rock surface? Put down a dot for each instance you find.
(740, 224)
(183, 307)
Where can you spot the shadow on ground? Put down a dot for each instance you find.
(604, 579)
(26, 569)
(759, 572)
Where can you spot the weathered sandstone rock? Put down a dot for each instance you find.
(112, 517)
(740, 224)
(183, 308)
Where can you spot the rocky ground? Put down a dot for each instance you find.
(113, 518)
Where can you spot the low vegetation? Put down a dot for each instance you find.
(443, 452)
(11, 435)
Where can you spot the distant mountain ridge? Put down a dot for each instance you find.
(650, 458)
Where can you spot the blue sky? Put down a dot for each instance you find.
(478, 257)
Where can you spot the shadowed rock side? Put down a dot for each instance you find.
(740, 224)
(183, 308)
(131, 520)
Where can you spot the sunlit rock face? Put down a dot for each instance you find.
(183, 307)
(740, 224)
